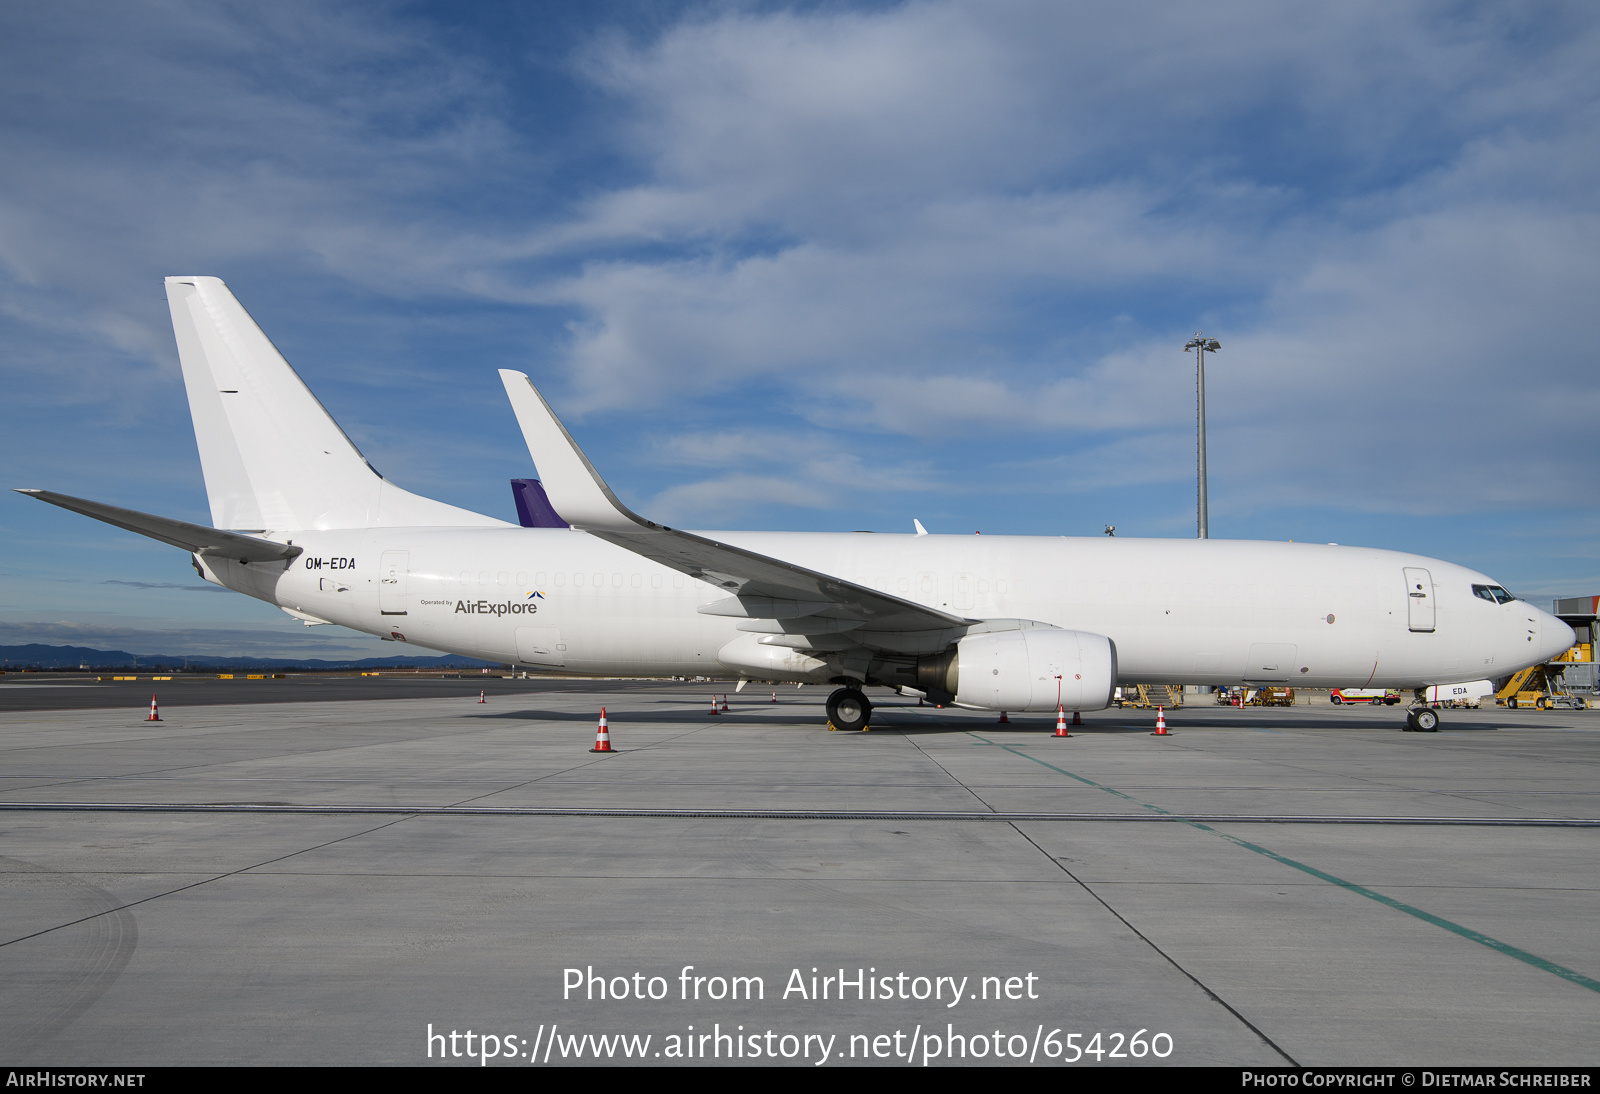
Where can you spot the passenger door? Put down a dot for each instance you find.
(1419, 599)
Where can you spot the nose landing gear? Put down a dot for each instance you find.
(848, 709)
(1421, 718)
(1422, 721)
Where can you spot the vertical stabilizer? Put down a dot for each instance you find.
(273, 458)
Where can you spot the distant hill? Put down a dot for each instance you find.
(36, 656)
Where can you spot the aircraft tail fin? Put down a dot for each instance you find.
(273, 457)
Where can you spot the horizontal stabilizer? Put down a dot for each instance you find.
(760, 582)
(193, 538)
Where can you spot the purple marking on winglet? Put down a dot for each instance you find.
(533, 507)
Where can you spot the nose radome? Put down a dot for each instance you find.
(1555, 637)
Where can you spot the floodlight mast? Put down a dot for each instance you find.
(1200, 344)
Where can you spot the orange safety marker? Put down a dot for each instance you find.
(1161, 723)
(1061, 722)
(724, 703)
(155, 716)
(1004, 721)
(602, 735)
(774, 697)
(481, 699)
(1077, 719)
(714, 710)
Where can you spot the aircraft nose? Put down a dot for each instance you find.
(1555, 637)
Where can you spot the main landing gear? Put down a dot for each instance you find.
(848, 709)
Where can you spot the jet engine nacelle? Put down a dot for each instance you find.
(1026, 670)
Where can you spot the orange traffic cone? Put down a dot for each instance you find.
(1077, 719)
(154, 714)
(1004, 721)
(774, 697)
(714, 709)
(602, 735)
(724, 703)
(1161, 723)
(481, 699)
(1061, 722)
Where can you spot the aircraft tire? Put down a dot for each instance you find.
(1426, 721)
(849, 710)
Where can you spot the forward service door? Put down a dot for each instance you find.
(1419, 599)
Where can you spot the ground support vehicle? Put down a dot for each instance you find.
(1539, 687)
(1149, 696)
(1370, 696)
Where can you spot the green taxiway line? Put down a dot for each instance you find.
(1400, 906)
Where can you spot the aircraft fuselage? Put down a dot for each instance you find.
(1191, 611)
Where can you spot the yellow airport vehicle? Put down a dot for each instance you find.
(1539, 687)
(1149, 696)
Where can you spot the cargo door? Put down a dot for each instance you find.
(392, 583)
(1419, 598)
(540, 646)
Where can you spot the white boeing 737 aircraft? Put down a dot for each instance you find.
(1011, 623)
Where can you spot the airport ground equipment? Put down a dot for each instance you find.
(1149, 696)
(1370, 696)
(1273, 697)
(1539, 687)
(602, 735)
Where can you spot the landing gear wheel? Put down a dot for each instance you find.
(1423, 721)
(849, 710)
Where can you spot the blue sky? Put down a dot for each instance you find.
(815, 266)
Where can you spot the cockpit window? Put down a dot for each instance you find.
(1492, 592)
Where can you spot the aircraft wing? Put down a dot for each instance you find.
(788, 604)
(194, 538)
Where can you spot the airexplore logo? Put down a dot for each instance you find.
(491, 607)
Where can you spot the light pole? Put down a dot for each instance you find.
(1200, 344)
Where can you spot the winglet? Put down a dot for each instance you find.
(574, 487)
(921, 531)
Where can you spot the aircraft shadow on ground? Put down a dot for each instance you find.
(884, 720)
(901, 720)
